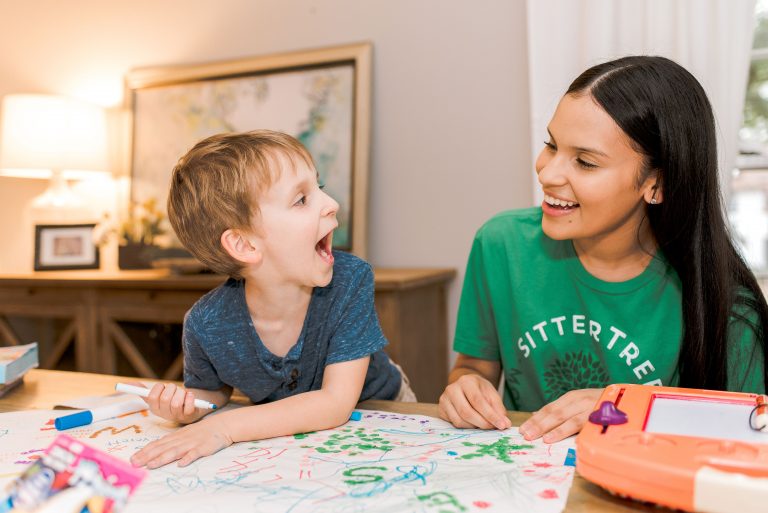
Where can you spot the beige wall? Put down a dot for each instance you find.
(450, 113)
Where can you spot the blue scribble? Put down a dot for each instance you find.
(409, 474)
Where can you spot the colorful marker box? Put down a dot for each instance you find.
(71, 476)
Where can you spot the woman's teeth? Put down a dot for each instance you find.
(555, 202)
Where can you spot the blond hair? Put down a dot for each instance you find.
(214, 188)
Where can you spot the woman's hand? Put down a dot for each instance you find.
(471, 401)
(185, 445)
(562, 417)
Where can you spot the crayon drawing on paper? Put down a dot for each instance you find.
(384, 462)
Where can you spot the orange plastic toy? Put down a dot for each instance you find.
(696, 450)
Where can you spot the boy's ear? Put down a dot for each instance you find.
(240, 247)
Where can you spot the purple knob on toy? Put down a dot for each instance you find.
(608, 415)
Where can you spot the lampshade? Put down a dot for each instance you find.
(42, 133)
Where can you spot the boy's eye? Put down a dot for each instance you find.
(550, 145)
(321, 186)
(301, 201)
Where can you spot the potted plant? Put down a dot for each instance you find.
(139, 235)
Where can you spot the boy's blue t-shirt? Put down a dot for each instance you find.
(221, 346)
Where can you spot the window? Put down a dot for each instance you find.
(748, 202)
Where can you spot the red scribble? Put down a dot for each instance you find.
(247, 460)
(542, 465)
(340, 494)
(557, 479)
(518, 453)
(431, 452)
(114, 431)
(278, 454)
(278, 477)
(548, 494)
(482, 504)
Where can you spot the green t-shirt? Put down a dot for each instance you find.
(528, 302)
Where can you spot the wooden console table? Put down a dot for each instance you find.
(411, 304)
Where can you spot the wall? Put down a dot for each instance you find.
(450, 143)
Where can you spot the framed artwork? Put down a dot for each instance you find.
(322, 97)
(65, 246)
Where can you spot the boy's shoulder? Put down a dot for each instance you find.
(217, 300)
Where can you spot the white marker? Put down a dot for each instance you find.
(144, 392)
(110, 411)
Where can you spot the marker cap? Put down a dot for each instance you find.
(78, 419)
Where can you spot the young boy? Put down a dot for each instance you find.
(294, 328)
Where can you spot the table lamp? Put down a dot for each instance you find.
(55, 137)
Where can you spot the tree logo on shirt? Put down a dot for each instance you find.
(572, 372)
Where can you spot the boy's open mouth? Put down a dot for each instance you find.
(323, 247)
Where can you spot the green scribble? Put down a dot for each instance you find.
(362, 478)
(440, 499)
(499, 449)
(301, 436)
(358, 441)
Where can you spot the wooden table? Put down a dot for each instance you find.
(411, 303)
(44, 388)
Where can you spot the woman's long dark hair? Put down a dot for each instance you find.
(665, 112)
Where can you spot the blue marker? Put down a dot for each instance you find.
(85, 417)
(570, 458)
(356, 415)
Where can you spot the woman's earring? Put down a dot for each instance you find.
(653, 198)
(653, 201)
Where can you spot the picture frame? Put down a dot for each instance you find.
(322, 97)
(65, 247)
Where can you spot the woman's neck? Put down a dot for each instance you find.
(619, 256)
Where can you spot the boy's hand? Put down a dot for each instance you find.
(472, 401)
(173, 402)
(185, 445)
(562, 417)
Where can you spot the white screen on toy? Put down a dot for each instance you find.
(702, 418)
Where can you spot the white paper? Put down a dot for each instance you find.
(384, 462)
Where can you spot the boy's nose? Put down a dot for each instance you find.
(331, 207)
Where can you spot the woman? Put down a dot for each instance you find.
(626, 273)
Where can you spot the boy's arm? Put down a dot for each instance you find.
(310, 411)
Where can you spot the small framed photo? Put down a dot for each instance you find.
(65, 246)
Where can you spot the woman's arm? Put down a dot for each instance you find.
(563, 417)
(471, 399)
